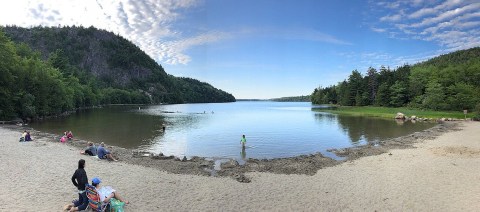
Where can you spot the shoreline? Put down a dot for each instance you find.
(430, 175)
(302, 164)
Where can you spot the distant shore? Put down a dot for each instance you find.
(439, 174)
(389, 112)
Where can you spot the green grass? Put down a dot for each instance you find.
(388, 112)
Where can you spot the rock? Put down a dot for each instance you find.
(230, 164)
(414, 117)
(205, 163)
(400, 116)
(162, 157)
(240, 177)
(443, 119)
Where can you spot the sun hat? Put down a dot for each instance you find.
(96, 180)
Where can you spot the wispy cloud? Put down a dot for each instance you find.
(375, 29)
(364, 60)
(395, 17)
(149, 24)
(305, 34)
(452, 24)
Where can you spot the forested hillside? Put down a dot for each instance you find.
(293, 99)
(49, 70)
(447, 82)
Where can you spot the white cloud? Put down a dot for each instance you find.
(173, 52)
(452, 24)
(378, 29)
(429, 11)
(393, 18)
(147, 23)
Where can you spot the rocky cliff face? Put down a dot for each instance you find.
(101, 53)
(115, 62)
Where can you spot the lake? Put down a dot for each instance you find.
(272, 129)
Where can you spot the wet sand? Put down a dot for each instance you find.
(409, 173)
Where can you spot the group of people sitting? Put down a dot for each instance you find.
(99, 151)
(25, 136)
(66, 136)
(80, 180)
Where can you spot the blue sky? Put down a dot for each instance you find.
(267, 49)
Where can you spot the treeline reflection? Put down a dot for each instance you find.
(369, 129)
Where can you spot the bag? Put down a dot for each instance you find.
(116, 205)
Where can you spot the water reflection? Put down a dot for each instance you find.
(243, 154)
(112, 125)
(363, 130)
(274, 129)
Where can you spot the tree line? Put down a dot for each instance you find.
(50, 81)
(32, 87)
(447, 82)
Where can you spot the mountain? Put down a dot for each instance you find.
(111, 61)
(446, 82)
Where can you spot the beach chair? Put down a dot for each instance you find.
(94, 199)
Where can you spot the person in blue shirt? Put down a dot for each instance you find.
(104, 153)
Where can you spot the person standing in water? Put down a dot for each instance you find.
(243, 141)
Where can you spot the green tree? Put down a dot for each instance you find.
(434, 97)
(398, 94)
(383, 95)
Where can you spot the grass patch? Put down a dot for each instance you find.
(389, 112)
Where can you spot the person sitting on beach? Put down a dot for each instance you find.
(69, 135)
(106, 192)
(23, 136)
(28, 137)
(63, 139)
(90, 150)
(104, 153)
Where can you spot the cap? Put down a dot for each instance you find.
(96, 180)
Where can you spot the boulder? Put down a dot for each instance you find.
(414, 117)
(400, 116)
(230, 164)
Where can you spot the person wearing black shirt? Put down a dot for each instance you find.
(79, 179)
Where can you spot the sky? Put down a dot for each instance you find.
(269, 48)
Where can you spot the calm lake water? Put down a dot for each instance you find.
(272, 129)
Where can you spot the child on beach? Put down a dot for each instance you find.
(243, 141)
(79, 179)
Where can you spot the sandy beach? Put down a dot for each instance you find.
(442, 174)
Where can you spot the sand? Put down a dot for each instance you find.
(442, 174)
